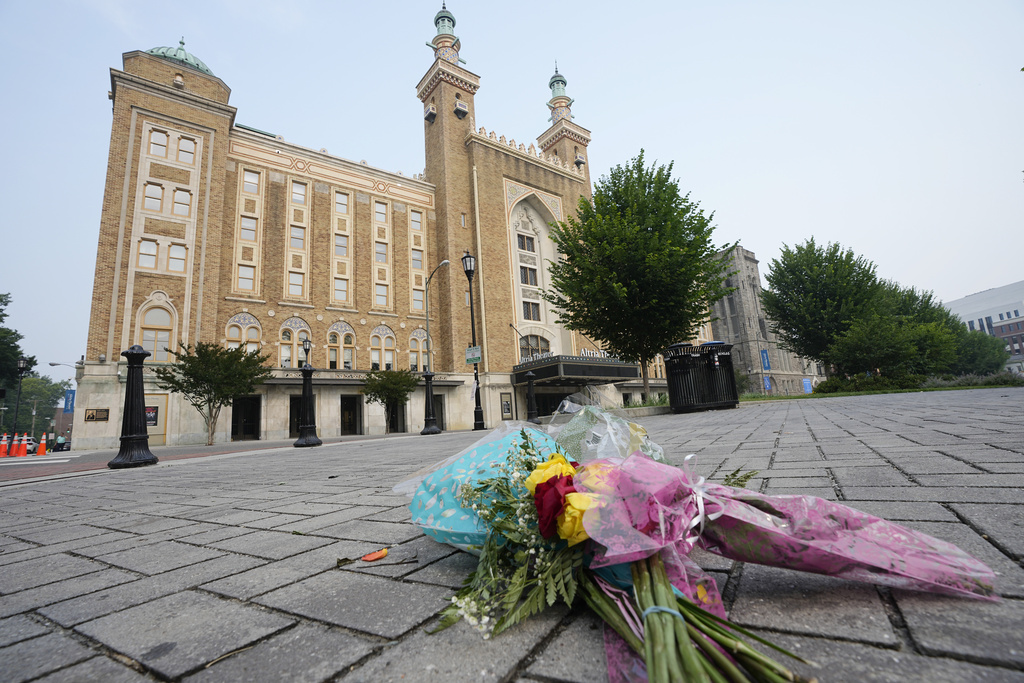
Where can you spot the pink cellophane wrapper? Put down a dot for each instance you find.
(642, 506)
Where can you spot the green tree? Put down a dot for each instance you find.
(389, 388)
(40, 394)
(815, 294)
(638, 271)
(210, 377)
(10, 350)
(979, 353)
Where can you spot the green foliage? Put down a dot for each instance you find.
(389, 388)
(638, 270)
(894, 345)
(39, 393)
(998, 379)
(979, 353)
(10, 350)
(738, 478)
(856, 383)
(815, 293)
(210, 377)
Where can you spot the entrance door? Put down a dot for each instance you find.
(351, 415)
(245, 418)
(397, 418)
(294, 415)
(439, 410)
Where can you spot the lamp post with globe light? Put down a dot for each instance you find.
(469, 266)
(429, 419)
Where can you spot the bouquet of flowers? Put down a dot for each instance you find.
(585, 516)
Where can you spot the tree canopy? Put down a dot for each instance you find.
(389, 388)
(638, 270)
(210, 377)
(10, 348)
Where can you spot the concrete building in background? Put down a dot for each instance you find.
(998, 312)
(739, 320)
(219, 232)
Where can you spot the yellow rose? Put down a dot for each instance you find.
(555, 466)
(570, 522)
(594, 477)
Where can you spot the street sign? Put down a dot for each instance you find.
(765, 365)
(472, 355)
(767, 383)
(69, 401)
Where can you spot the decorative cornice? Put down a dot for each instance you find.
(563, 129)
(550, 163)
(449, 73)
(129, 81)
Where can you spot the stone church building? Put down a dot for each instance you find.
(216, 232)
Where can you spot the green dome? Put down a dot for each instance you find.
(179, 54)
(444, 14)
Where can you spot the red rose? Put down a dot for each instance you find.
(549, 497)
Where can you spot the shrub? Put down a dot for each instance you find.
(998, 379)
(873, 383)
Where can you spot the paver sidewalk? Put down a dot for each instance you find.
(226, 568)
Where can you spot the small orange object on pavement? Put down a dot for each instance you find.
(377, 555)
(42, 446)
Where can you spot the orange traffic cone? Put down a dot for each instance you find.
(22, 448)
(3, 446)
(42, 445)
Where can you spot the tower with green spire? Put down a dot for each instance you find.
(565, 139)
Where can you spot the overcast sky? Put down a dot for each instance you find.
(893, 126)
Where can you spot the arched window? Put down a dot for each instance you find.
(156, 333)
(332, 350)
(382, 348)
(286, 348)
(293, 332)
(531, 345)
(418, 361)
(341, 347)
(244, 328)
(348, 351)
(657, 367)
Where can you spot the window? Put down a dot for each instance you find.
(292, 354)
(176, 258)
(296, 284)
(154, 200)
(1000, 316)
(463, 219)
(286, 348)
(417, 299)
(414, 354)
(531, 311)
(528, 276)
(298, 240)
(340, 289)
(340, 202)
(416, 220)
(380, 252)
(252, 338)
(970, 325)
(234, 336)
(341, 245)
(380, 212)
(158, 143)
(417, 259)
(381, 296)
(186, 150)
(156, 333)
(298, 193)
(1016, 313)
(182, 203)
(251, 182)
(531, 345)
(147, 254)
(382, 352)
(526, 243)
(332, 351)
(246, 277)
(348, 351)
(248, 231)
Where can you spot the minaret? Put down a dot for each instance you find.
(447, 91)
(564, 138)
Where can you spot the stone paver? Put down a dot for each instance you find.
(227, 568)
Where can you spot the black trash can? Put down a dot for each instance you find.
(700, 377)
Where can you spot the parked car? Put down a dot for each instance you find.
(31, 446)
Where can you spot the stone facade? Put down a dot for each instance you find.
(221, 233)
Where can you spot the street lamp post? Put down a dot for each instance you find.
(469, 265)
(134, 451)
(429, 419)
(22, 369)
(307, 421)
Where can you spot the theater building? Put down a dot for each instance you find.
(217, 232)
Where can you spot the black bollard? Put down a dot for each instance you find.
(134, 450)
(429, 419)
(531, 400)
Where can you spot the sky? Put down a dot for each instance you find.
(892, 128)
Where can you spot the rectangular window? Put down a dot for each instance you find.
(1016, 313)
(340, 289)
(417, 299)
(528, 276)
(296, 282)
(298, 239)
(526, 243)
(463, 219)
(298, 193)
(1000, 316)
(158, 143)
(332, 359)
(182, 203)
(347, 362)
(970, 325)
(248, 231)
(147, 254)
(417, 259)
(416, 220)
(380, 252)
(251, 182)
(154, 197)
(340, 202)
(380, 212)
(246, 277)
(531, 311)
(176, 258)
(186, 150)
(341, 245)
(381, 296)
